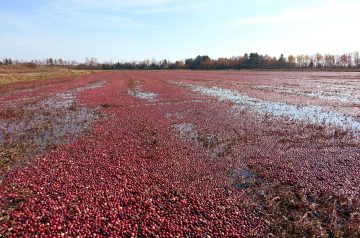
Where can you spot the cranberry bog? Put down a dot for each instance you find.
(181, 154)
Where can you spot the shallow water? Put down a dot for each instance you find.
(45, 124)
(215, 145)
(308, 114)
(243, 178)
(137, 92)
(325, 95)
(187, 131)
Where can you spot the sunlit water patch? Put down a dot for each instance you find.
(137, 92)
(94, 85)
(186, 131)
(44, 124)
(310, 114)
(214, 144)
(331, 96)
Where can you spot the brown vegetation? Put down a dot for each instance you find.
(29, 72)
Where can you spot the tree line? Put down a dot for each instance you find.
(43, 62)
(349, 61)
(247, 61)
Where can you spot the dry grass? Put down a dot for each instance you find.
(21, 73)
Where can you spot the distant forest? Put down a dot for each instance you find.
(350, 61)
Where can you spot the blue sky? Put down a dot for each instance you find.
(175, 29)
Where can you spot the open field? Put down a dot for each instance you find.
(20, 73)
(181, 153)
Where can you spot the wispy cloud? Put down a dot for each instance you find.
(71, 14)
(137, 29)
(107, 5)
(333, 11)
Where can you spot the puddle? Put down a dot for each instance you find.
(91, 86)
(176, 115)
(216, 146)
(243, 178)
(187, 131)
(309, 114)
(2, 138)
(137, 92)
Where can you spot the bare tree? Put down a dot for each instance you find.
(60, 61)
(50, 61)
(319, 60)
(291, 61)
(349, 60)
(329, 60)
(307, 60)
(356, 56)
(343, 60)
(300, 60)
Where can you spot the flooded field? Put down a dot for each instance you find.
(306, 114)
(182, 153)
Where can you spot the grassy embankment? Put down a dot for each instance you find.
(22, 73)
